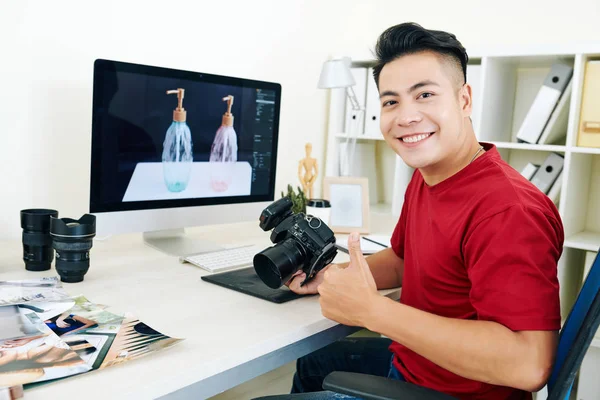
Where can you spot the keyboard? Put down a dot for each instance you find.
(224, 260)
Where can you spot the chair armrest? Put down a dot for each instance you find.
(370, 387)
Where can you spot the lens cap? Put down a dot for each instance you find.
(318, 203)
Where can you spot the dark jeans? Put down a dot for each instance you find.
(362, 355)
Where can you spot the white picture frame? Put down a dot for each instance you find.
(349, 198)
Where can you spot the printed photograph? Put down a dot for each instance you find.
(17, 322)
(24, 291)
(37, 358)
(110, 344)
(82, 315)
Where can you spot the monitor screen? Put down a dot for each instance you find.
(165, 138)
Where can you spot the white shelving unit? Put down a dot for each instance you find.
(505, 83)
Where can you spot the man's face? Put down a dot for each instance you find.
(424, 107)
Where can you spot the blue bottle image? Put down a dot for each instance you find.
(177, 156)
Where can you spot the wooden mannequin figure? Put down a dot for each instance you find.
(309, 165)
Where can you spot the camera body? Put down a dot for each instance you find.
(301, 242)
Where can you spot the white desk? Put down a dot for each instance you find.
(148, 182)
(229, 337)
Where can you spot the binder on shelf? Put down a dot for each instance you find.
(529, 170)
(589, 123)
(548, 172)
(554, 192)
(545, 103)
(555, 131)
(354, 122)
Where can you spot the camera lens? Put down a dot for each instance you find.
(37, 243)
(72, 240)
(276, 265)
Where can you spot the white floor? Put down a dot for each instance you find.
(278, 381)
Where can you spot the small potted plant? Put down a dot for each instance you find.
(298, 199)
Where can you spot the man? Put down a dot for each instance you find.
(475, 249)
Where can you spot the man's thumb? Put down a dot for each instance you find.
(354, 246)
(356, 255)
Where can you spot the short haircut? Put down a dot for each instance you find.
(411, 38)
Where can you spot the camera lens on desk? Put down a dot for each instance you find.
(37, 243)
(275, 265)
(72, 240)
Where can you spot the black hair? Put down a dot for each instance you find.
(410, 38)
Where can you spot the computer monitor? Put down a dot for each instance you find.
(174, 149)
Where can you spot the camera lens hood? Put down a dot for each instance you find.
(37, 219)
(84, 227)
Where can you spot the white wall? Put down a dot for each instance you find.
(47, 51)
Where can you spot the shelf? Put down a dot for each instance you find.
(585, 150)
(360, 137)
(586, 240)
(528, 146)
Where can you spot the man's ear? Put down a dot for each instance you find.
(465, 97)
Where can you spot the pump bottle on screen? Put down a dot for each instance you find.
(223, 152)
(177, 156)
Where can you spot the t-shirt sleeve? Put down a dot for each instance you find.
(512, 261)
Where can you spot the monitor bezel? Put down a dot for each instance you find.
(100, 65)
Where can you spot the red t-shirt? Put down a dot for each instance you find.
(483, 244)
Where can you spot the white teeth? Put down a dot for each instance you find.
(416, 138)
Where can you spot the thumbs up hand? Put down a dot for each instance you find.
(347, 294)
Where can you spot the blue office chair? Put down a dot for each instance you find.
(575, 338)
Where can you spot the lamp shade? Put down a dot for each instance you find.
(336, 74)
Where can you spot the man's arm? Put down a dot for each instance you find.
(484, 351)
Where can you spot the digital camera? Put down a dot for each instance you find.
(301, 242)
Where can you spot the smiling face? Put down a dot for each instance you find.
(425, 110)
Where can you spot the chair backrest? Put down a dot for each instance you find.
(576, 334)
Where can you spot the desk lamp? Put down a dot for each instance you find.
(336, 74)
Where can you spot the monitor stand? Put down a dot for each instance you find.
(175, 242)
